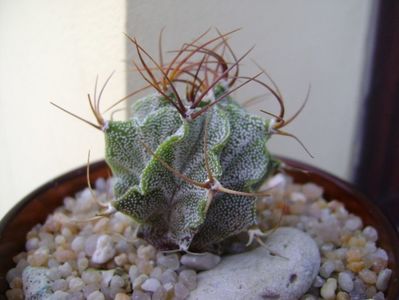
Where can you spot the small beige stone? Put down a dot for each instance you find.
(343, 296)
(355, 266)
(16, 283)
(146, 252)
(368, 276)
(121, 259)
(122, 296)
(15, 294)
(62, 255)
(328, 289)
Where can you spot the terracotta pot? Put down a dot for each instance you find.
(36, 206)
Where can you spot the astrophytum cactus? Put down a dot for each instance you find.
(188, 169)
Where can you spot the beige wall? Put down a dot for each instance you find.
(52, 50)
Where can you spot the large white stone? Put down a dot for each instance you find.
(36, 283)
(284, 269)
(104, 250)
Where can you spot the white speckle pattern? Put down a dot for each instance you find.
(173, 211)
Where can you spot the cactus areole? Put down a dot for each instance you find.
(188, 168)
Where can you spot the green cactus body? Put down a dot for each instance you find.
(173, 213)
(188, 169)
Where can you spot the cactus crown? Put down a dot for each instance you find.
(188, 169)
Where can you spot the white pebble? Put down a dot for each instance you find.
(188, 278)
(370, 233)
(104, 250)
(69, 203)
(117, 282)
(121, 259)
(23, 263)
(133, 272)
(328, 289)
(369, 248)
(379, 259)
(327, 268)
(59, 240)
(341, 253)
(359, 289)
(383, 279)
(146, 252)
(101, 225)
(181, 292)
(60, 285)
(65, 269)
(139, 295)
(88, 289)
(59, 295)
(32, 244)
(168, 287)
(354, 223)
(341, 213)
(345, 281)
(106, 277)
(123, 246)
(91, 276)
(297, 197)
(170, 261)
(151, 285)
(101, 185)
(379, 296)
(200, 262)
(53, 263)
(318, 282)
(66, 232)
(156, 273)
(90, 244)
(82, 264)
(96, 295)
(76, 296)
(339, 265)
(76, 284)
(312, 191)
(159, 294)
(78, 244)
(327, 247)
(139, 281)
(169, 276)
(85, 202)
(54, 273)
(11, 274)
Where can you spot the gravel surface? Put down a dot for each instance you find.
(88, 257)
(352, 264)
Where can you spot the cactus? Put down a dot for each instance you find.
(188, 169)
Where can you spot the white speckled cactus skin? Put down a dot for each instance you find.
(188, 169)
(173, 212)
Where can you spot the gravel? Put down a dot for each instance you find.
(90, 257)
(353, 265)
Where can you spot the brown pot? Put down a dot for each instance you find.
(36, 206)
